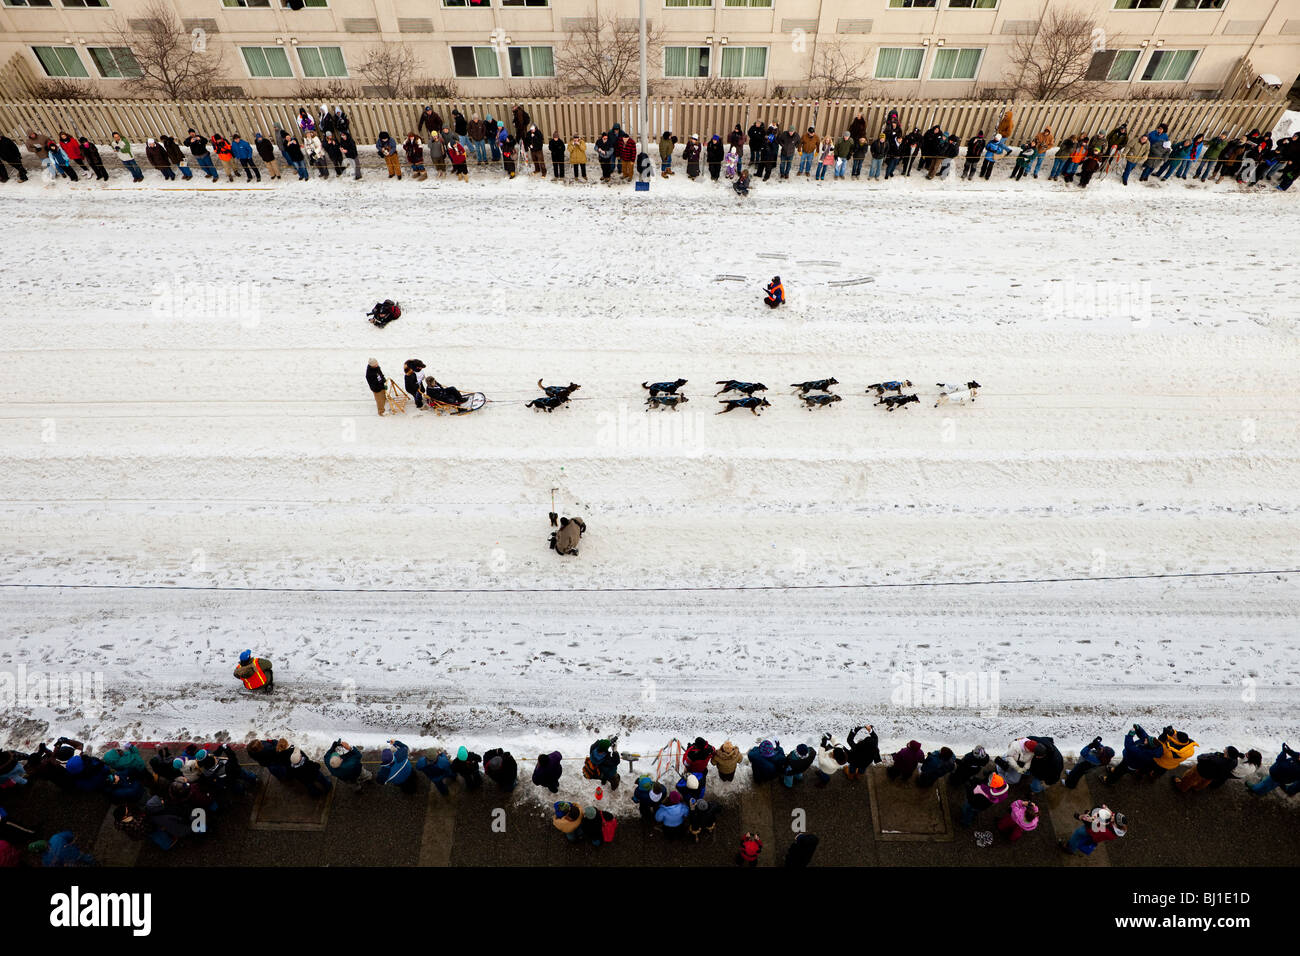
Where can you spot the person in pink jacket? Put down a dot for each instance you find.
(1022, 819)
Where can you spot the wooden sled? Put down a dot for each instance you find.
(473, 402)
(397, 398)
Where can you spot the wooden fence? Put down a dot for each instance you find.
(139, 119)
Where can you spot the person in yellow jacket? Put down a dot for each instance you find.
(727, 758)
(578, 157)
(568, 820)
(1178, 747)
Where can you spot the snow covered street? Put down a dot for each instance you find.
(184, 405)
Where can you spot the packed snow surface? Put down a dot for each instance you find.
(185, 419)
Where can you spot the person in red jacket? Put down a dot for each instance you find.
(750, 847)
(459, 160)
(627, 156)
(70, 146)
(697, 757)
(221, 146)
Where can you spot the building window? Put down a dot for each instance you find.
(909, 4)
(1121, 68)
(517, 3)
(686, 62)
(320, 61)
(1169, 66)
(747, 3)
(688, 3)
(531, 61)
(950, 64)
(475, 61)
(899, 63)
(467, 3)
(86, 4)
(299, 4)
(114, 62)
(245, 3)
(27, 3)
(1139, 4)
(972, 4)
(1198, 4)
(267, 62)
(744, 62)
(61, 61)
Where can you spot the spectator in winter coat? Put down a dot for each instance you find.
(667, 143)
(981, 796)
(348, 146)
(741, 185)
(123, 150)
(627, 156)
(535, 143)
(905, 761)
(1046, 765)
(72, 149)
(1041, 144)
(466, 765)
(911, 149)
(156, 153)
(491, 132)
(864, 750)
(831, 756)
(878, 150)
(992, 150)
(477, 131)
(438, 770)
(713, 155)
(522, 120)
(58, 159)
(10, 154)
(395, 767)
(198, 147)
(378, 385)
(787, 145)
(1176, 747)
(459, 160)
(1089, 167)
(1284, 772)
(305, 123)
(801, 851)
(672, 814)
(1214, 770)
(756, 135)
(386, 147)
(414, 149)
(344, 763)
(296, 157)
(767, 760)
(1022, 819)
(547, 772)
(1093, 755)
(333, 153)
(726, 759)
(937, 763)
(605, 156)
(124, 759)
(974, 150)
(1140, 752)
(691, 786)
(578, 158)
(797, 763)
(697, 757)
(558, 149)
(703, 817)
(1020, 754)
(568, 820)
(604, 757)
(438, 146)
(826, 158)
(271, 754)
(808, 146)
(90, 153)
(242, 150)
(1135, 154)
(508, 148)
(460, 126)
(1100, 825)
(750, 847)
(267, 153)
(221, 146)
(430, 121)
(858, 127)
(843, 152)
(500, 765)
(641, 796)
(968, 768)
(307, 772)
(1210, 158)
(1022, 161)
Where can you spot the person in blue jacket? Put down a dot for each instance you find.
(242, 150)
(1095, 754)
(606, 759)
(766, 761)
(395, 767)
(641, 796)
(797, 764)
(1140, 752)
(61, 850)
(1174, 160)
(994, 148)
(1158, 140)
(1284, 773)
(121, 788)
(672, 814)
(437, 770)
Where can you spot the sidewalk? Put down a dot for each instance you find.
(873, 822)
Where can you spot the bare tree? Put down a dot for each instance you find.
(437, 88)
(716, 88)
(603, 54)
(390, 68)
(64, 90)
(170, 61)
(836, 72)
(1053, 64)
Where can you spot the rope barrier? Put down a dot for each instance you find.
(865, 585)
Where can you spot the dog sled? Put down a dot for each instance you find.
(452, 401)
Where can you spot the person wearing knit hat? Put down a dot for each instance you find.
(697, 756)
(466, 766)
(641, 796)
(255, 672)
(727, 758)
(501, 768)
(982, 796)
(548, 771)
(308, 772)
(750, 847)
(703, 817)
(691, 786)
(766, 761)
(378, 385)
(796, 764)
(592, 825)
(568, 820)
(968, 767)
(603, 759)
(397, 769)
(344, 763)
(672, 814)
(438, 770)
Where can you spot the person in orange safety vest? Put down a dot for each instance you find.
(255, 672)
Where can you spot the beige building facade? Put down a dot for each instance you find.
(899, 48)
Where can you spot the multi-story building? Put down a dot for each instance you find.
(902, 48)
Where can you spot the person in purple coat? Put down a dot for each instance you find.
(905, 761)
(547, 772)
